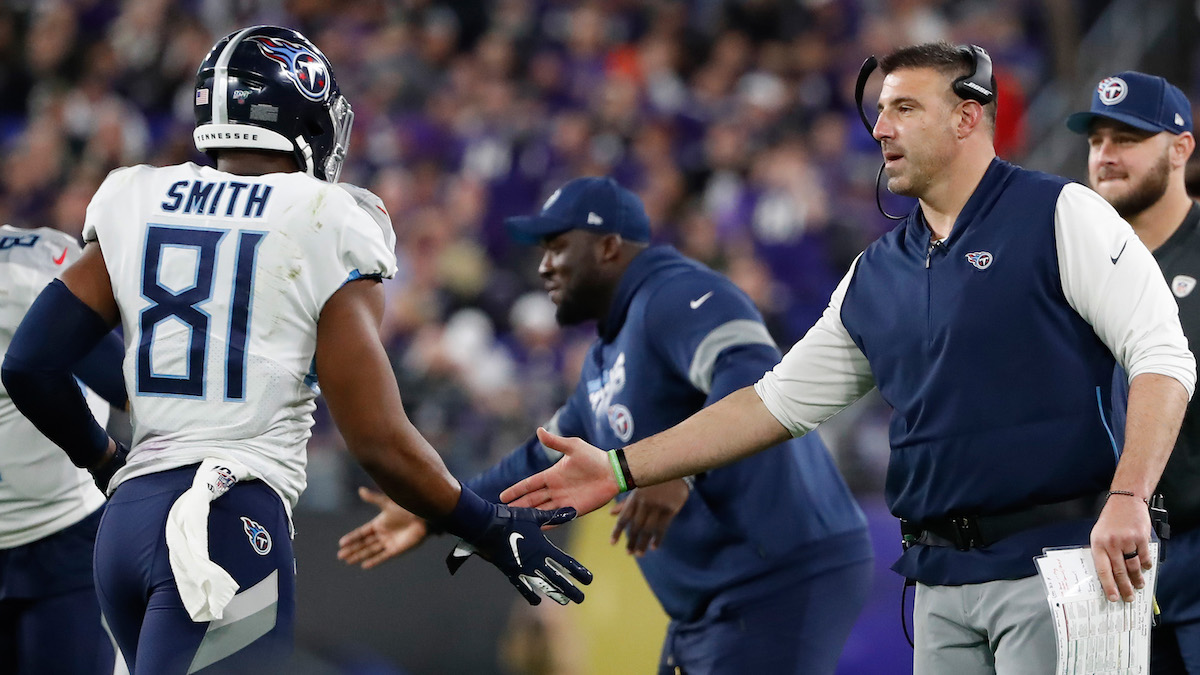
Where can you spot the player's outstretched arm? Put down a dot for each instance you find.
(737, 426)
(364, 400)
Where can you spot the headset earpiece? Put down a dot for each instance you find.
(977, 85)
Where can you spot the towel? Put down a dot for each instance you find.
(204, 586)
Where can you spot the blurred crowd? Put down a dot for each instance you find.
(734, 121)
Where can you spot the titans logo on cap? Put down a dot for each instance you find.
(260, 539)
(306, 70)
(1112, 90)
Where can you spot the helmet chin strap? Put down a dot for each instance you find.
(306, 151)
(868, 67)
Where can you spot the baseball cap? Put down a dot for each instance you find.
(1146, 102)
(596, 204)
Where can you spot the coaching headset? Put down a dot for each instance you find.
(977, 85)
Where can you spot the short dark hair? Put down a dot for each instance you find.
(942, 57)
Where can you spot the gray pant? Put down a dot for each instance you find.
(997, 627)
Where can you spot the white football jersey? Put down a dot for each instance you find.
(220, 279)
(41, 491)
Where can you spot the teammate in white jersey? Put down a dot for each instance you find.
(49, 509)
(237, 287)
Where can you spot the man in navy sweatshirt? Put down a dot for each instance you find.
(990, 319)
(766, 563)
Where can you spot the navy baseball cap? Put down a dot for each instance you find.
(595, 204)
(1142, 101)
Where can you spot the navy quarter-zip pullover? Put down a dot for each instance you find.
(995, 348)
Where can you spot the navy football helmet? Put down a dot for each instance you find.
(269, 88)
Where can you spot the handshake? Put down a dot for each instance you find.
(510, 538)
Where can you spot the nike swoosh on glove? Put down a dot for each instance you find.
(514, 543)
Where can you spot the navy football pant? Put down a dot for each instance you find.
(141, 602)
(49, 619)
(776, 624)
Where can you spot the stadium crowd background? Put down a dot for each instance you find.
(733, 120)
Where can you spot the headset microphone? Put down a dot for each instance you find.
(978, 85)
(868, 67)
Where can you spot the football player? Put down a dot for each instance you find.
(238, 287)
(49, 509)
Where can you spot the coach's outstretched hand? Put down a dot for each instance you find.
(583, 478)
(514, 543)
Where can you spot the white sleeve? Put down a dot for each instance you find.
(821, 374)
(1110, 278)
(100, 209)
(373, 206)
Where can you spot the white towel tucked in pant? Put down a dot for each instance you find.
(203, 585)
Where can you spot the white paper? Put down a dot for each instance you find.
(1095, 636)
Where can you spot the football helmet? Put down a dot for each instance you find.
(269, 88)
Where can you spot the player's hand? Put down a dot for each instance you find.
(1123, 527)
(583, 478)
(514, 543)
(113, 460)
(393, 532)
(645, 515)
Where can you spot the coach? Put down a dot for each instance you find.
(989, 320)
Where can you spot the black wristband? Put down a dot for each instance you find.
(624, 466)
(1126, 493)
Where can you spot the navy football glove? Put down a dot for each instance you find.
(103, 474)
(514, 543)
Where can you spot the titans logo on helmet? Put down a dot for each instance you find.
(306, 70)
(260, 539)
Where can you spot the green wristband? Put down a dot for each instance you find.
(616, 467)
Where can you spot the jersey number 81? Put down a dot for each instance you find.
(183, 306)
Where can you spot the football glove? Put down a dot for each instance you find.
(514, 543)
